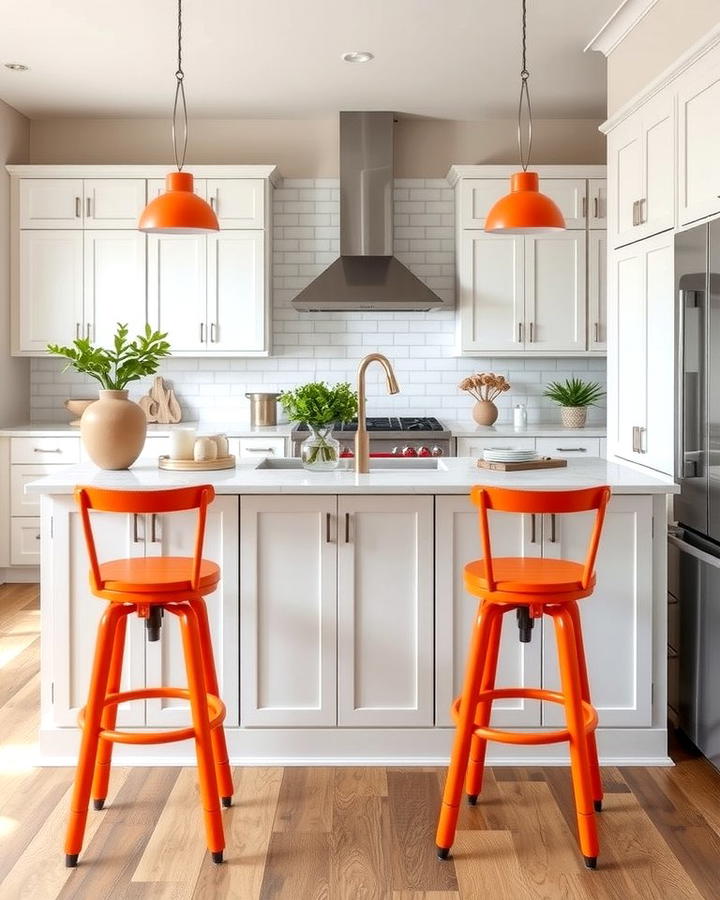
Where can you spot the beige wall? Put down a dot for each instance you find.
(665, 33)
(309, 148)
(14, 373)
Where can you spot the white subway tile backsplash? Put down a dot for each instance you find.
(310, 346)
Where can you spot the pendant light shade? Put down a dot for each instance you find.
(179, 210)
(524, 210)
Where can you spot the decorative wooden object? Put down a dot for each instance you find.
(160, 404)
(191, 465)
(521, 466)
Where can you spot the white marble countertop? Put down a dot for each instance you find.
(235, 429)
(469, 429)
(453, 476)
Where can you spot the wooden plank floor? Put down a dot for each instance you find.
(343, 833)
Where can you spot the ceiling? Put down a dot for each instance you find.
(454, 59)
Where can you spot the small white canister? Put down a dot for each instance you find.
(519, 417)
(182, 442)
(205, 449)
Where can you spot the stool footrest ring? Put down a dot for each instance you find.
(529, 738)
(216, 710)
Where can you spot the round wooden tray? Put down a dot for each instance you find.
(190, 465)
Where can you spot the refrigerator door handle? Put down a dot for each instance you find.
(691, 550)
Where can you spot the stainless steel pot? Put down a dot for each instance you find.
(263, 409)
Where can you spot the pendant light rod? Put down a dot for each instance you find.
(180, 98)
(524, 96)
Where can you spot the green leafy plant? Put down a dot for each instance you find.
(574, 392)
(127, 360)
(318, 405)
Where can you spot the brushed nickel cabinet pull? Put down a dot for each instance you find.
(532, 332)
(643, 211)
(532, 529)
(78, 211)
(597, 332)
(347, 528)
(260, 449)
(553, 536)
(572, 449)
(584, 207)
(77, 331)
(136, 539)
(213, 331)
(596, 208)
(212, 203)
(88, 330)
(43, 450)
(635, 435)
(520, 331)
(202, 332)
(641, 435)
(87, 207)
(327, 528)
(636, 215)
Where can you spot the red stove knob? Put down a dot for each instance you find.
(424, 451)
(436, 451)
(409, 451)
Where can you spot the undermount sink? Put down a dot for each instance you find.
(399, 463)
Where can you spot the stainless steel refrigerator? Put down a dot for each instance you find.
(694, 552)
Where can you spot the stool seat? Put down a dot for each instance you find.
(522, 575)
(157, 575)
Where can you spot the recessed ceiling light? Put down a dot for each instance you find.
(358, 56)
(16, 67)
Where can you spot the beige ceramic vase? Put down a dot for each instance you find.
(485, 412)
(113, 430)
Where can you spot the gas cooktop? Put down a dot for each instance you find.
(389, 423)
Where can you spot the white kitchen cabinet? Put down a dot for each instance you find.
(288, 600)
(491, 292)
(114, 287)
(480, 194)
(173, 534)
(51, 203)
(597, 203)
(50, 450)
(24, 541)
(385, 611)
(22, 504)
(238, 202)
(597, 265)
(457, 542)
(236, 311)
(617, 619)
(641, 167)
(698, 139)
(76, 612)
(177, 296)
(555, 303)
(568, 447)
(475, 446)
(50, 289)
(113, 202)
(257, 447)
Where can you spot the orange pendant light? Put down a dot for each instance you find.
(179, 210)
(524, 210)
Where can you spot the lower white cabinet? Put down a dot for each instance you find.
(564, 446)
(332, 632)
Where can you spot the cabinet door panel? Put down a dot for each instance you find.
(177, 289)
(385, 611)
(77, 611)
(555, 292)
(51, 202)
(625, 176)
(114, 283)
(236, 292)
(24, 541)
(616, 619)
(491, 292)
(174, 534)
(658, 439)
(699, 137)
(113, 202)
(288, 595)
(457, 543)
(597, 290)
(51, 288)
(238, 202)
(570, 194)
(658, 210)
(478, 196)
(630, 349)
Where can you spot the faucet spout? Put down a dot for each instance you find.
(362, 442)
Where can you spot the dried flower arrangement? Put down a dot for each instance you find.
(484, 385)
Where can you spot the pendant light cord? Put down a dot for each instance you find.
(180, 99)
(524, 96)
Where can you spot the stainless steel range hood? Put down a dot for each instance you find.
(366, 276)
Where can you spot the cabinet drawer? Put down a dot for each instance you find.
(51, 203)
(25, 541)
(475, 446)
(22, 504)
(48, 450)
(568, 447)
(259, 447)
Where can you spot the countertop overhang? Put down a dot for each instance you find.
(455, 476)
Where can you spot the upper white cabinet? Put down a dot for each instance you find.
(597, 265)
(699, 138)
(79, 264)
(641, 167)
(480, 194)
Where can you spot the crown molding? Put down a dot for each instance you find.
(619, 25)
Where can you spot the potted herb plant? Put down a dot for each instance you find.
(574, 396)
(113, 428)
(320, 406)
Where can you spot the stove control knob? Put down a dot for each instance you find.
(436, 451)
(396, 451)
(424, 451)
(409, 451)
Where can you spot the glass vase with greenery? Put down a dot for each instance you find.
(320, 406)
(574, 396)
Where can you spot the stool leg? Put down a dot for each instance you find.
(579, 756)
(201, 723)
(101, 778)
(90, 734)
(476, 766)
(597, 788)
(464, 730)
(219, 745)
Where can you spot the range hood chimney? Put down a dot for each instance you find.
(366, 276)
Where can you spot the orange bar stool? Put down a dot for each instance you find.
(532, 587)
(151, 587)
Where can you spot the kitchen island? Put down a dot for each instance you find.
(341, 623)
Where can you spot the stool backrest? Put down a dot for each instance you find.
(138, 503)
(539, 502)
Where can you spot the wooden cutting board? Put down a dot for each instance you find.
(522, 466)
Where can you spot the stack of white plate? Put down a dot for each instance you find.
(510, 456)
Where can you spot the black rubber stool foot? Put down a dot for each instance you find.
(598, 805)
(226, 801)
(98, 804)
(443, 852)
(71, 860)
(472, 799)
(217, 856)
(590, 862)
